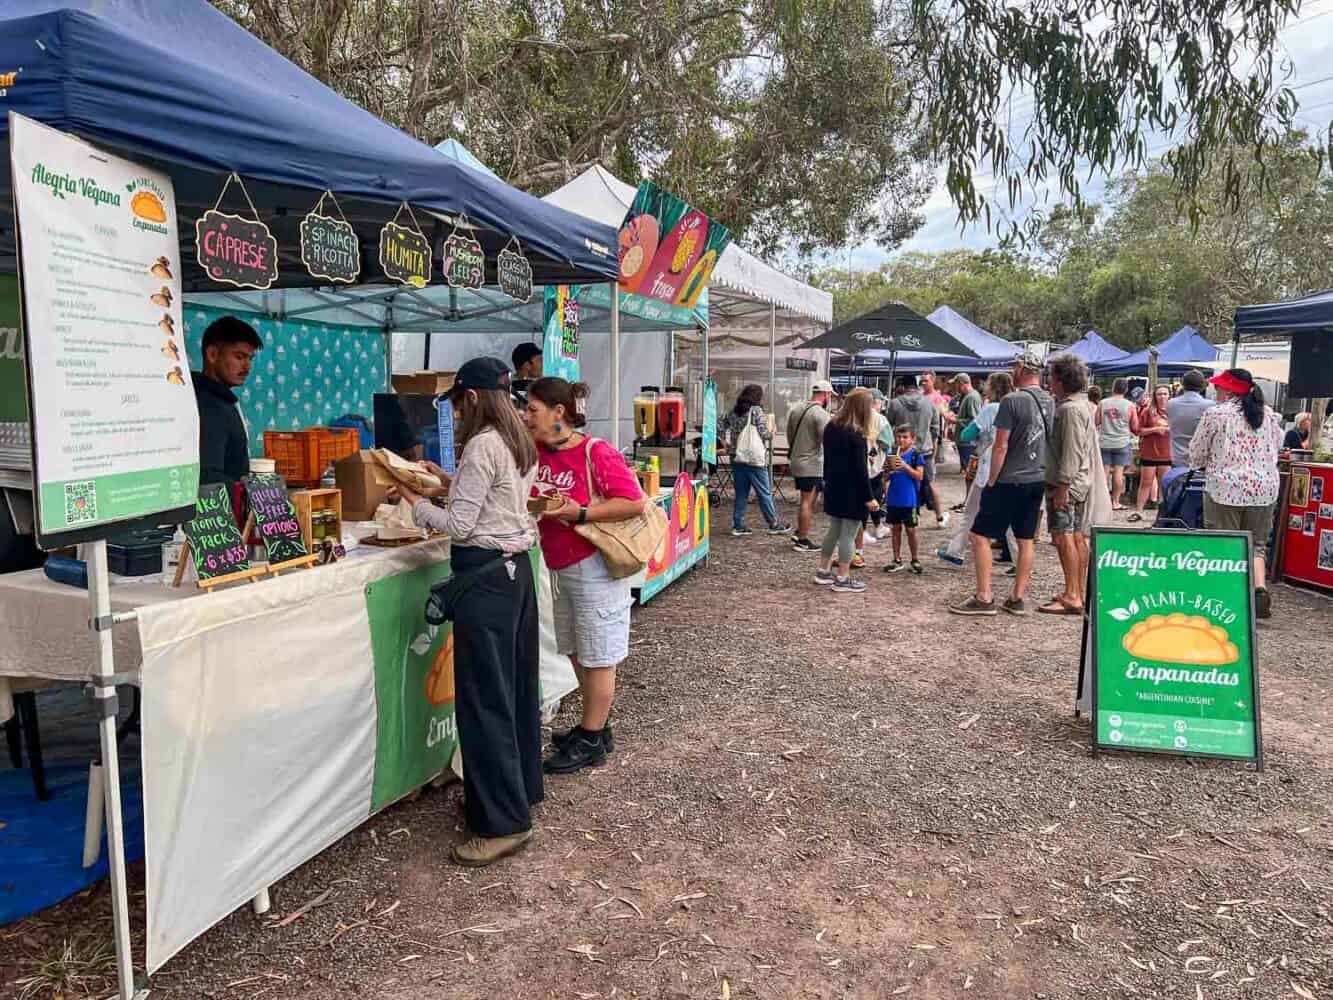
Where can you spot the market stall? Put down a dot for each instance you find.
(324, 678)
(1094, 349)
(1174, 356)
(992, 353)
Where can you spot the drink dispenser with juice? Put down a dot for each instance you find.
(671, 415)
(645, 413)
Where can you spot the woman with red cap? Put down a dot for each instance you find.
(1236, 446)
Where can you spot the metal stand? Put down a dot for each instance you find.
(615, 365)
(104, 698)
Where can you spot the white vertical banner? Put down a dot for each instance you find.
(114, 420)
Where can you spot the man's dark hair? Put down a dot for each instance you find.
(905, 429)
(1193, 381)
(524, 353)
(230, 330)
(1070, 370)
(906, 382)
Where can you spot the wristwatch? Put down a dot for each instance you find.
(583, 515)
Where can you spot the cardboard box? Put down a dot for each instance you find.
(423, 383)
(361, 491)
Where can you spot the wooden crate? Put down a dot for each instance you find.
(307, 502)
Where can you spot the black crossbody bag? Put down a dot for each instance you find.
(442, 605)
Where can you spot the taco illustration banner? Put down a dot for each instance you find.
(668, 249)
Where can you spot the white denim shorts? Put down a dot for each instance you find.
(591, 613)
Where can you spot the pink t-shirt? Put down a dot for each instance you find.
(566, 472)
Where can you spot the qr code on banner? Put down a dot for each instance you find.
(80, 502)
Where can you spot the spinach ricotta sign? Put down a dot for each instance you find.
(1173, 643)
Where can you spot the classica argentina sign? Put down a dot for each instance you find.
(1173, 643)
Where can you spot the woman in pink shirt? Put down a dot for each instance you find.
(591, 608)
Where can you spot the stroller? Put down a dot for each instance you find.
(1182, 503)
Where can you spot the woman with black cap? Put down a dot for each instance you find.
(1236, 446)
(495, 625)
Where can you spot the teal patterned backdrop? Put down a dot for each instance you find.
(306, 375)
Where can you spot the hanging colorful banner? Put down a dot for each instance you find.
(405, 252)
(667, 249)
(710, 422)
(329, 247)
(560, 343)
(232, 249)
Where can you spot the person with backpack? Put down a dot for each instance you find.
(1014, 495)
(1236, 446)
(805, 454)
(748, 438)
(847, 493)
(591, 608)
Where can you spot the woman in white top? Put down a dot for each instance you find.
(496, 654)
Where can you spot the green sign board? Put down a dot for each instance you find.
(13, 393)
(1172, 643)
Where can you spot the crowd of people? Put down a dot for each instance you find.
(1041, 443)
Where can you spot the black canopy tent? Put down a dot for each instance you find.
(894, 327)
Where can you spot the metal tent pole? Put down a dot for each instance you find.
(615, 365)
(772, 376)
(1235, 348)
(703, 391)
(104, 699)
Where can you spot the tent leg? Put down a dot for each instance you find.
(772, 375)
(893, 369)
(261, 903)
(615, 365)
(104, 698)
(1235, 349)
(703, 364)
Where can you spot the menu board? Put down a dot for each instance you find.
(216, 545)
(275, 518)
(1172, 643)
(116, 432)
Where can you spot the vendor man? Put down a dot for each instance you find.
(527, 361)
(229, 348)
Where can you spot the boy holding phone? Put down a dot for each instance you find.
(906, 468)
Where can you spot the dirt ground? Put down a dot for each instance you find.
(819, 796)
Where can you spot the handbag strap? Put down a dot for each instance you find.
(593, 495)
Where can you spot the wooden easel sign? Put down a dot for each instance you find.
(274, 518)
(214, 543)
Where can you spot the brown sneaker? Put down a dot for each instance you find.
(478, 852)
(1015, 606)
(974, 607)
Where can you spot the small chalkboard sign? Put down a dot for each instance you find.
(514, 275)
(236, 251)
(405, 255)
(329, 248)
(464, 262)
(275, 518)
(214, 541)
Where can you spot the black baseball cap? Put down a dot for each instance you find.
(480, 374)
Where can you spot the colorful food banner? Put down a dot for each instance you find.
(560, 343)
(1172, 643)
(667, 249)
(114, 418)
(710, 421)
(686, 541)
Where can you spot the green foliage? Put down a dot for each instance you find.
(1135, 270)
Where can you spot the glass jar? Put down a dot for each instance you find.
(671, 415)
(645, 413)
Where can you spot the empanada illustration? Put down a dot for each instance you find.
(1177, 638)
(167, 325)
(175, 376)
(161, 269)
(440, 680)
(162, 299)
(148, 206)
(170, 350)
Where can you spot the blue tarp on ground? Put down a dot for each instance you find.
(180, 82)
(1094, 349)
(1186, 344)
(1309, 312)
(992, 351)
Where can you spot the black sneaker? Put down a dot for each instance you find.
(1263, 603)
(896, 566)
(804, 545)
(916, 568)
(582, 750)
(779, 529)
(740, 532)
(559, 737)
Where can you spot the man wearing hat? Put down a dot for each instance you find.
(1016, 489)
(805, 446)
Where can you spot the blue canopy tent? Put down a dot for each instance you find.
(112, 71)
(992, 352)
(1175, 356)
(1309, 312)
(1094, 349)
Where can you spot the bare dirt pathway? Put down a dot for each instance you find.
(819, 796)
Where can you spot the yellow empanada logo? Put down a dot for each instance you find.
(148, 207)
(1177, 638)
(440, 680)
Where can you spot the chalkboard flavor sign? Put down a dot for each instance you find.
(514, 275)
(405, 255)
(215, 542)
(275, 518)
(329, 248)
(464, 262)
(236, 251)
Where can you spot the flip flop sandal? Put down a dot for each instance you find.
(1134, 518)
(1058, 607)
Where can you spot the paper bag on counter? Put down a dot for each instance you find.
(391, 468)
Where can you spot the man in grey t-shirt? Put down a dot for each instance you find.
(1182, 416)
(805, 453)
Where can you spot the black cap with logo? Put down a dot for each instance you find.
(480, 374)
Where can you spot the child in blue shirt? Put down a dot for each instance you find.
(906, 467)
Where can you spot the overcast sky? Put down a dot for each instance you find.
(1308, 43)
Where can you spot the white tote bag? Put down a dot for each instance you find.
(750, 448)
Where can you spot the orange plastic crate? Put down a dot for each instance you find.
(302, 456)
(332, 444)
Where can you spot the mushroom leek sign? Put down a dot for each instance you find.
(667, 249)
(1173, 643)
(115, 427)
